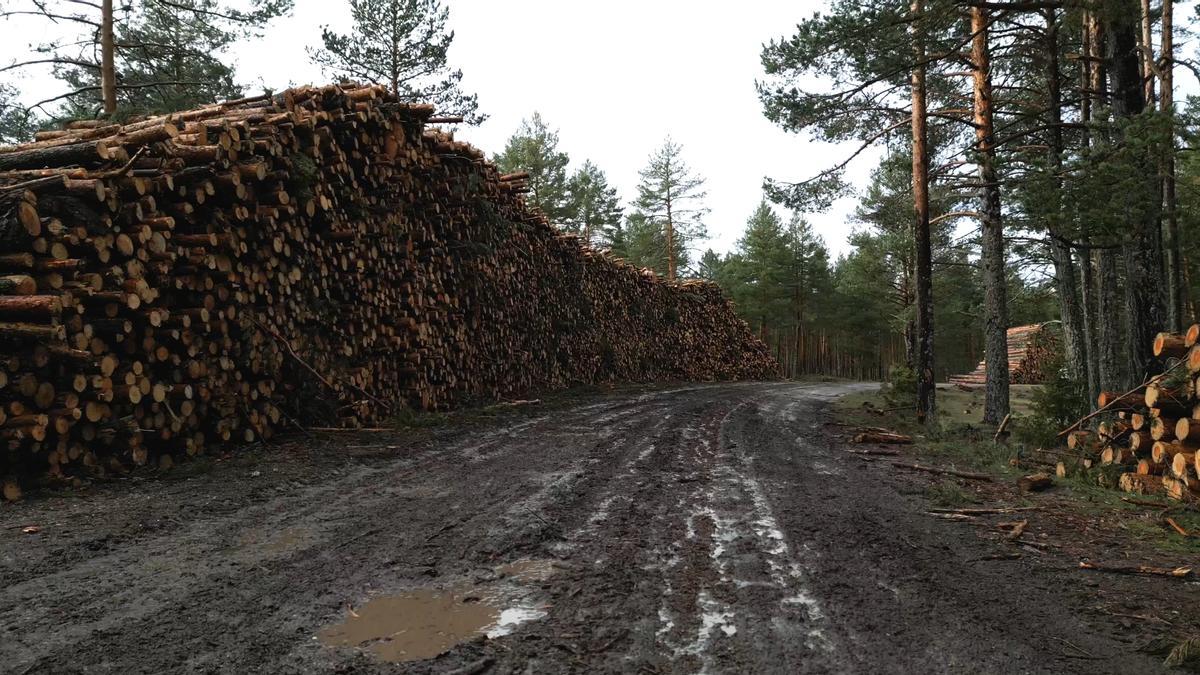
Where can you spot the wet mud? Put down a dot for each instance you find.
(711, 528)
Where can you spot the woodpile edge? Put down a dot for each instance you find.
(314, 257)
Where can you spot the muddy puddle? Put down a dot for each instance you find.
(423, 623)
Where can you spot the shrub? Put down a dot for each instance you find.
(901, 387)
(1056, 404)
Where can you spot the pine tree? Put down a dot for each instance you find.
(404, 45)
(15, 122)
(711, 266)
(164, 56)
(534, 149)
(644, 244)
(760, 271)
(592, 205)
(671, 198)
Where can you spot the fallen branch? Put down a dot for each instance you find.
(1177, 527)
(291, 352)
(986, 511)
(513, 404)
(961, 517)
(997, 556)
(882, 437)
(346, 430)
(1002, 428)
(1147, 383)
(1145, 502)
(947, 472)
(1018, 530)
(875, 451)
(1177, 572)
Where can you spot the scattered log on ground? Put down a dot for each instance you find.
(944, 472)
(882, 438)
(1141, 484)
(1178, 572)
(1035, 482)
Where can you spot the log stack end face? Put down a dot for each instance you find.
(316, 256)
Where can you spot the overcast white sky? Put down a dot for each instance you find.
(615, 78)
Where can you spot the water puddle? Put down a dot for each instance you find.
(423, 623)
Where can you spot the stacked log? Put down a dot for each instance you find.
(1033, 352)
(319, 256)
(1156, 437)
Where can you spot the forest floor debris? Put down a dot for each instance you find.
(1075, 523)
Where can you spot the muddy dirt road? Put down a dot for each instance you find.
(705, 528)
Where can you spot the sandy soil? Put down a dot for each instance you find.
(708, 528)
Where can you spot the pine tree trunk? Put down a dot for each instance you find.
(992, 248)
(670, 236)
(1175, 287)
(1087, 265)
(926, 391)
(1108, 315)
(1143, 247)
(1147, 54)
(1092, 72)
(1075, 343)
(108, 71)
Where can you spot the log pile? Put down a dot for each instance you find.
(319, 256)
(1033, 352)
(1153, 439)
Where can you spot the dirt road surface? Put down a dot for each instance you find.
(698, 529)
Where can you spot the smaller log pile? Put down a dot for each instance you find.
(1152, 443)
(1032, 353)
(314, 257)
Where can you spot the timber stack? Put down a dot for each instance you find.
(1033, 353)
(319, 256)
(1151, 445)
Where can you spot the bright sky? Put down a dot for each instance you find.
(615, 78)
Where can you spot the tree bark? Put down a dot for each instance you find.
(670, 236)
(1088, 283)
(1092, 84)
(995, 333)
(1143, 245)
(108, 71)
(1074, 333)
(1175, 287)
(926, 391)
(1108, 315)
(1147, 53)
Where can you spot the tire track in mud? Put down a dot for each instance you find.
(707, 528)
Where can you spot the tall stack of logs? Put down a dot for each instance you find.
(313, 257)
(1152, 441)
(1034, 352)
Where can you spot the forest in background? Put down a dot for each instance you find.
(1034, 166)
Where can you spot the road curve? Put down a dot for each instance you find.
(711, 528)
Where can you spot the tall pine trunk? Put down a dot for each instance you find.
(108, 70)
(1108, 316)
(995, 334)
(1094, 283)
(926, 391)
(1075, 343)
(670, 237)
(1145, 314)
(1175, 287)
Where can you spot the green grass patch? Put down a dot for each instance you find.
(949, 495)
(1153, 529)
